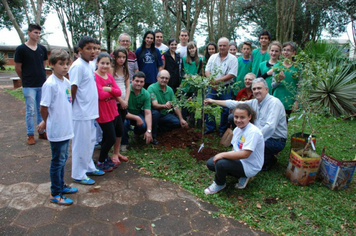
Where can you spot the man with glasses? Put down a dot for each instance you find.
(162, 98)
(125, 41)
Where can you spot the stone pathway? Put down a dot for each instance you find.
(122, 202)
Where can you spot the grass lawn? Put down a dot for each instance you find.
(9, 69)
(270, 202)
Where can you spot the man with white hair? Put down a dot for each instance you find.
(271, 119)
(125, 41)
(223, 66)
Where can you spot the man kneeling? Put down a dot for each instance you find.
(162, 97)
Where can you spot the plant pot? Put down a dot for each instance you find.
(302, 170)
(336, 174)
(299, 141)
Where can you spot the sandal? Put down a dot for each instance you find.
(60, 200)
(123, 158)
(115, 159)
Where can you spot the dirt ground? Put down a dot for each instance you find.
(187, 139)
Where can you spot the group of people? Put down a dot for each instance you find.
(136, 91)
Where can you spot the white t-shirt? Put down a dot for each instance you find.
(250, 138)
(56, 95)
(220, 68)
(85, 106)
(163, 48)
(120, 81)
(181, 50)
(93, 64)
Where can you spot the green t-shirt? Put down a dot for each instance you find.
(287, 89)
(257, 58)
(162, 97)
(245, 66)
(190, 69)
(140, 102)
(264, 68)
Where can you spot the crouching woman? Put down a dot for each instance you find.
(246, 158)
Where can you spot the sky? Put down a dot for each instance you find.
(55, 36)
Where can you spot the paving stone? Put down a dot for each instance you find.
(39, 177)
(128, 197)
(113, 185)
(142, 183)
(7, 215)
(12, 230)
(197, 233)
(205, 206)
(95, 199)
(4, 200)
(148, 210)
(160, 195)
(51, 229)
(167, 185)
(171, 225)
(91, 228)
(44, 188)
(237, 232)
(112, 212)
(19, 188)
(27, 201)
(74, 214)
(132, 226)
(1, 187)
(182, 207)
(35, 217)
(11, 178)
(206, 223)
(82, 189)
(184, 193)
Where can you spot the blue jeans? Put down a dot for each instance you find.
(32, 99)
(210, 121)
(137, 130)
(166, 122)
(59, 158)
(272, 147)
(225, 167)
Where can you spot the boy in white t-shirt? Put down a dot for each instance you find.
(247, 156)
(85, 111)
(56, 111)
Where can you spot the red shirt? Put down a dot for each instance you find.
(242, 95)
(107, 101)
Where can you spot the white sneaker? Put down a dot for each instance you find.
(242, 183)
(123, 148)
(214, 188)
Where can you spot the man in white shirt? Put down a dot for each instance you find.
(182, 46)
(159, 42)
(270, 120)
(223, 66)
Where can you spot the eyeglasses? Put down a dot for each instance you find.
(162, 77)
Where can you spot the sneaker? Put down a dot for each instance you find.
(87, 181)
(214, 188)
(60, 200)
(242, 183)
(123, 148)
(31, 140)
(111, 163)
(96, 172)
(104, 166)
(68, 190)
(42, 136)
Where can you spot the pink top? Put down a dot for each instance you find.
(107, 101)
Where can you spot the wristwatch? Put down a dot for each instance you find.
(149, 131)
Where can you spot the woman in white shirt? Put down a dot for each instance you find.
(246, 158)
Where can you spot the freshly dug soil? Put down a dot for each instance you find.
(186, 138)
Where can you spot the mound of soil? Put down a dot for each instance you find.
(186, 138)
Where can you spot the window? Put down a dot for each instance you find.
(10, 55)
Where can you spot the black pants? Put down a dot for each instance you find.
(225, 167)
(110, 132)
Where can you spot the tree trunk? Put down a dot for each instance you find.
(60, 16)
(13, 20)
